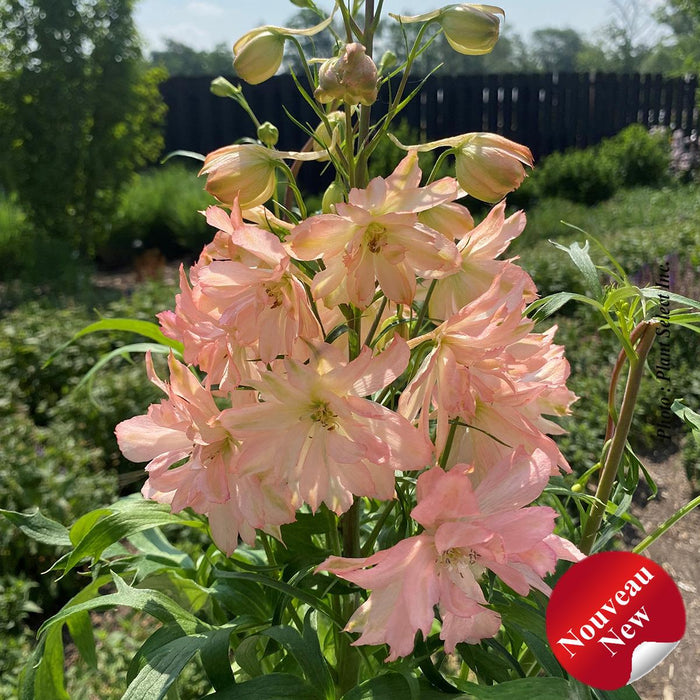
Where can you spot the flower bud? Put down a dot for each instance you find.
(223, 88)
(258, 55)
(471, 29)
(335, 194)
(350, 77)
(268, 134)
(489, 166)
(387, 62)
(246, 171)
(323, 138)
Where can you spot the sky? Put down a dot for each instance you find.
(202, 24)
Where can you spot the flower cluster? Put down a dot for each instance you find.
(279, 417)
(325, 355)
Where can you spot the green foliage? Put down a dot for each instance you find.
(80, 111)
(159, 209)
(632, 158)
(179, 59)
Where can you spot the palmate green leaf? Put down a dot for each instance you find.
(583, 262)
(96, 531)
(528, 622)
(540, 688)
(39, 528)
(149, 601)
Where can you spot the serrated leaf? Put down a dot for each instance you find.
(274, 686)
(39, 528)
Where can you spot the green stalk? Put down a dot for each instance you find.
(423, 309)
(666, 525)
(619, 439)
(375, 323)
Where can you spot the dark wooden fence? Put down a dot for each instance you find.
(546, 112)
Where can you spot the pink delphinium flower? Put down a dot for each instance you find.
(314, 430)
(479, 247)
(186, 429)
(259, 300)
(470, 525)
(377, 237)
(244, 304)
(445, 380)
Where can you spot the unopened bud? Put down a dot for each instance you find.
(258, 55)
(335, 194)
(387, 62)
(223, 88)
(350, 77)
(268, 134)
(471, 29)
(323, 138)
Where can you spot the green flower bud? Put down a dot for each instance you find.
(258, 55)
(471, 29)
(335, 194)
(269, 134)
(387, 62)
(223, 88)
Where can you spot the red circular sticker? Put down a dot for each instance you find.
(612, 617)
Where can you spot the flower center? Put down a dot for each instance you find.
(321, 413)
(375, 237)
(457, 559)
(274, 294)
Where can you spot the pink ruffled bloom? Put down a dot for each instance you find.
(314, 431)
(186, 429)
(478, 248)
(377, 237)
(471, 525)
(245, 303)
(488, 370)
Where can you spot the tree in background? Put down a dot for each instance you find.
(554, 49)
(683, 19)
(80, 111)
(179, 59)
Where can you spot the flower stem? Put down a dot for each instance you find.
(619, 439)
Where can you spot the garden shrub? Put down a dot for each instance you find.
(159, 209)
(632, 158)
(580, 176)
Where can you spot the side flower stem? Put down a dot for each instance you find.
(619, 439)
(348, 659)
